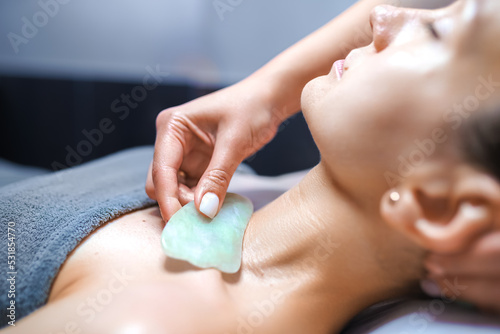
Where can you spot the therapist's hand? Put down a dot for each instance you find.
(200, 144)
(477, 273)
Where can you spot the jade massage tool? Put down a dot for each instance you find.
(209, 243)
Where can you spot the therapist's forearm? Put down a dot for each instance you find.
(286, 74)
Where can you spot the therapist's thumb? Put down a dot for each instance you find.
(213, 184)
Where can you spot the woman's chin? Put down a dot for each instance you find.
(314, 93)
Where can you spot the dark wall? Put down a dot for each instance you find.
(59, 123)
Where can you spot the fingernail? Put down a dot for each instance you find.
(209, 204)
(430, 287)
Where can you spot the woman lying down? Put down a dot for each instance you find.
(352, 233)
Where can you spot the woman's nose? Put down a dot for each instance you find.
(386, 22)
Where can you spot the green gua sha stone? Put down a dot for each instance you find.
(209, 243)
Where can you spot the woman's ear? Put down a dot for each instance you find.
(442, 208)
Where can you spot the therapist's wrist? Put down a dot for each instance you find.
(276, 90)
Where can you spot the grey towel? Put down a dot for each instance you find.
(11, 172)
(49, 215)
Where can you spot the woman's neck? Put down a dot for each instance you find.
(319, 252)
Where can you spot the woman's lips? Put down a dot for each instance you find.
(339, 68)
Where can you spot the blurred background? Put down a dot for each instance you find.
(80, 79)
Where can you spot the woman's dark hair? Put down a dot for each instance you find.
(480, 139)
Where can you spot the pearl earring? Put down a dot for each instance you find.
(394, 196)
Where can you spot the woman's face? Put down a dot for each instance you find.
(423, 75)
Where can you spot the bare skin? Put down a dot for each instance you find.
(336, 243)
(208, 137)
(292, 277)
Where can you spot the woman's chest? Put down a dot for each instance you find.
(130, 244)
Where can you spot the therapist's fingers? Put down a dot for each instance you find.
(150, 188)
(186, 194)
(228, 153)
(168, 156)
(482, 259)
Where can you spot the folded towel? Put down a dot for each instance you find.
(45, 217)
